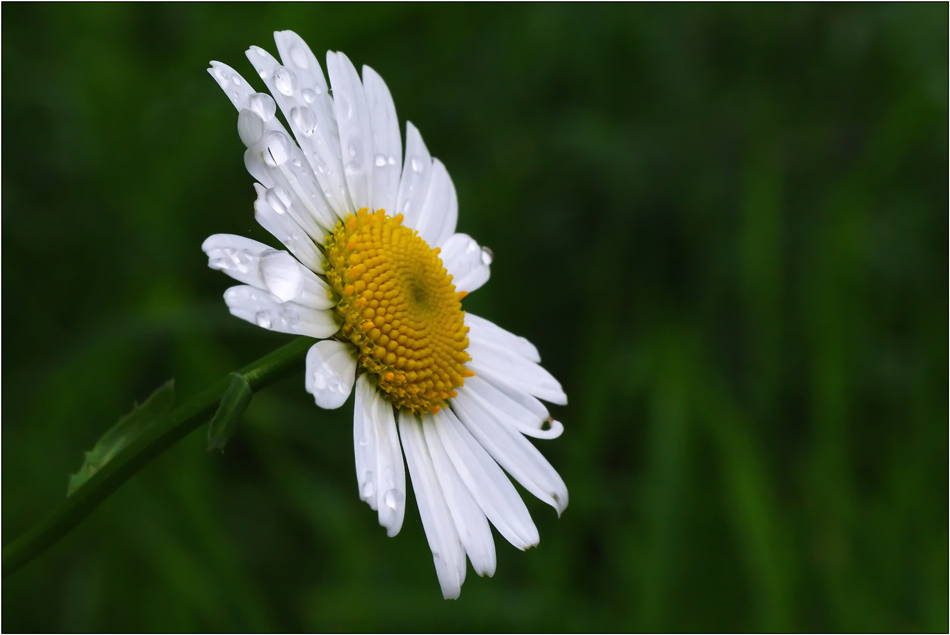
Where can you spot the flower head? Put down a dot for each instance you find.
(375, 270)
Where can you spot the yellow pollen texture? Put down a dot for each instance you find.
(400, 309)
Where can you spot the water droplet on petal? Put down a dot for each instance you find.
(289, 317)
(250, 127)
(285, 80)
(264, 105)
(319, 381)
(393, 499)
(299, 57)
(487, 256)
(392, 160)
(308, 95)
(380, 160)
(354, 167)
(416, 164)
(369, 486)
(278, 199)
(304, 119)
(263, 319)
(277, 151)
(261, 52)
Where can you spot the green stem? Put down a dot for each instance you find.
(161, 436)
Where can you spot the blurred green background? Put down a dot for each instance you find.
(723, 227)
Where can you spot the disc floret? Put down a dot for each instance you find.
(399, 308)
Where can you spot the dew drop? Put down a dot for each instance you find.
(487, 256)
(299, 57)
(276, 201)
(264, 105)
(304, 118)
(319, 381)
(289, 317)
(369, 487)
(285, 80)
(276, 152)
(416, 164)
(392, 159)
(221, 74)
(354, 167)
(393, 499)
(250, 127)
(263, 319)
(380, 161)
(308, 95)
(236, 80)
(261, 52)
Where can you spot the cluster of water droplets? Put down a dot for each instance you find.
(325, 378)
(230, 259)
(227, 80)
(277, 319)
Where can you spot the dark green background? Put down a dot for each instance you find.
(725, 228)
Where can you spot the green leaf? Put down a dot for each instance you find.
(128, 429)
(233, 404)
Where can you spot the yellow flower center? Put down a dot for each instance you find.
(399, 308)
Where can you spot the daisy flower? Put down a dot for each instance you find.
(375, 270)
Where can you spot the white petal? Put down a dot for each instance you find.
(356, 136)
(320, 142)
(414, 184)
(441, 209)
(513, 369)
(300, 91)
(486, 331)
(364, 439)
(292, 282)
(274, 159)
(489, 486)
(387, 144)
(390, 472)
(512, 450)
(285, 229)
(267, 311)
(280, 165)
(237, 256)
(519, 410)
(447, 551)
(331, 370)
(470, 521)
(466, 262)
(243, 96)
